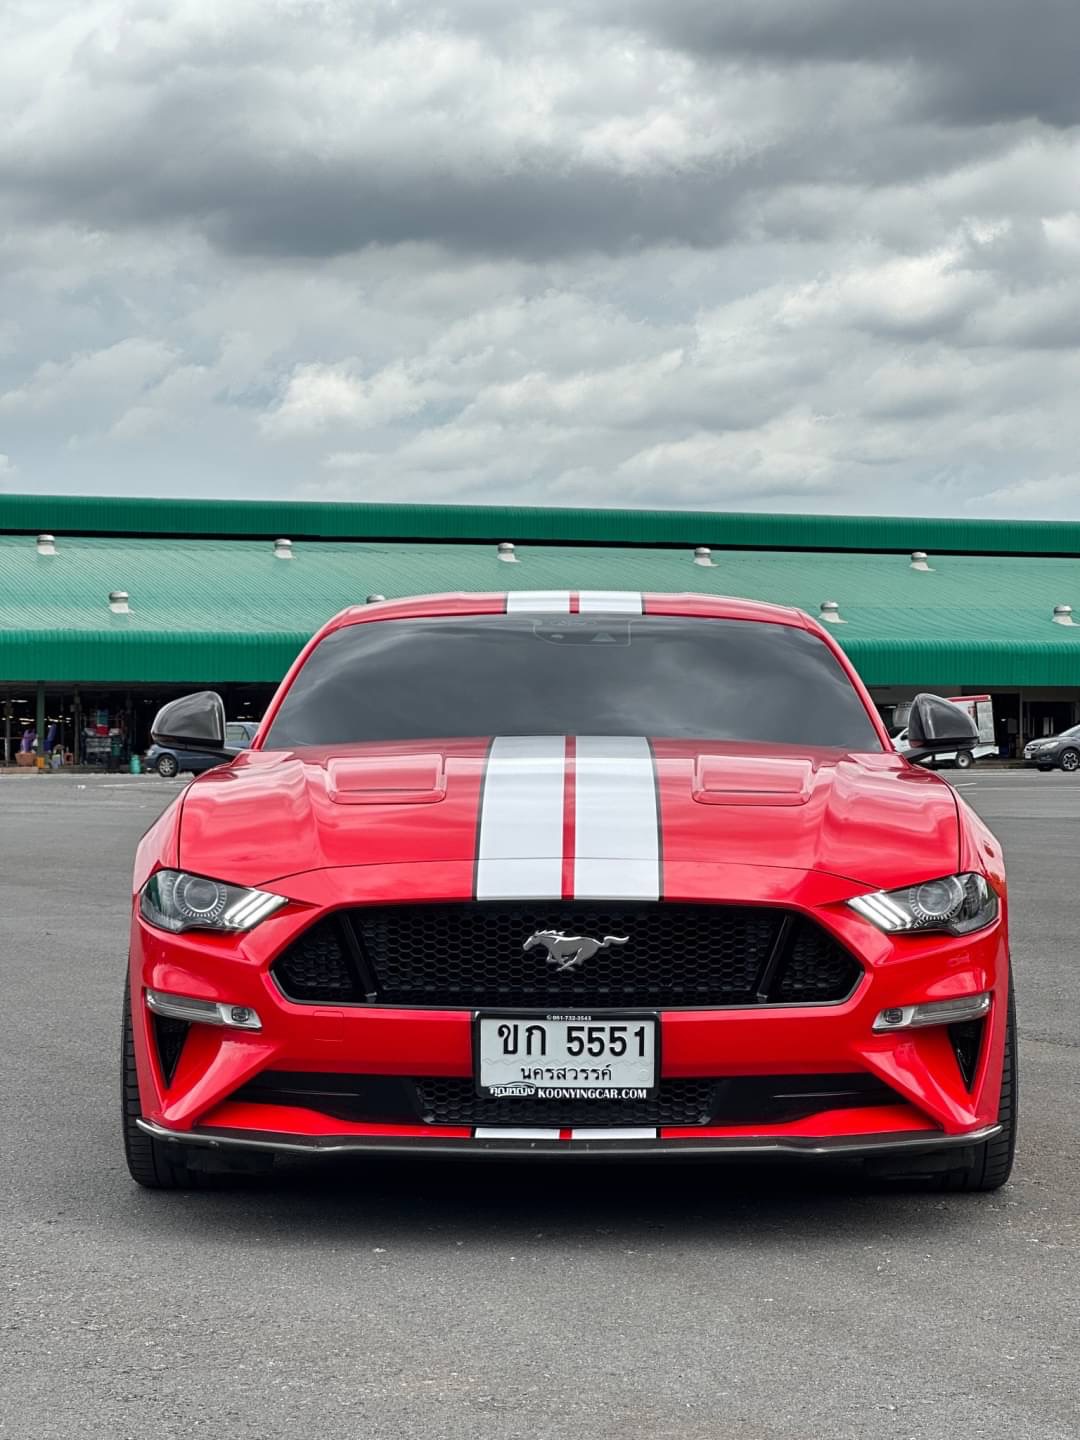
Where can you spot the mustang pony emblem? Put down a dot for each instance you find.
(566, 951)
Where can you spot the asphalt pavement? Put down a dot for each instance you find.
(390, 1300)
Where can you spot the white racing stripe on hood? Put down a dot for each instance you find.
(520, 847)
(617, 854)
(610, 602)
(538, 602)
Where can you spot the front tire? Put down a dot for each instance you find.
(167, 766)
(991, 1161)
(965, 760)
(151, 1163)
(1070, 760)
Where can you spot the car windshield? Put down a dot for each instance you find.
(1071, 734)
(673, 677)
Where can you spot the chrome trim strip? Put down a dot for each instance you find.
(794, 1146)
(201, 1012)
(525, 1132)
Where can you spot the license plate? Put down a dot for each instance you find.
(556, 1057)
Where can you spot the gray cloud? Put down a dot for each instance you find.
(973, 62)
(815, 254)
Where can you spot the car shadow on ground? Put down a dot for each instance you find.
(522, 1201)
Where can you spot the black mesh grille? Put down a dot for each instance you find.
(815, 968)
(676, 1102)
(315, 967)
(966, 1040)
(169, 1036)
(472, 955)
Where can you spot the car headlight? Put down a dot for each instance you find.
(956, 904)
(174, 900)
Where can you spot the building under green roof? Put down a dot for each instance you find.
(210, 602)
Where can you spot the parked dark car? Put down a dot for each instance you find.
(238, 736)
(1055, 752)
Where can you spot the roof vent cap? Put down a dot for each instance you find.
(1063, 615)
(283, 550)
(46, 544)
(919, 560)
(371, 599)
(505, 552)
(703, 556)
(118, 602)
(830, 613)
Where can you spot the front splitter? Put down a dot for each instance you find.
(845, 1147)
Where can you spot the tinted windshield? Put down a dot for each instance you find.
(670, 677)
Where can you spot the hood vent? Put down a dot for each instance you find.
(118, 602)
(283, 550)
(703, 556)
(1063, 615)
(505, 551)
(830, 613)
(919, 560)
(46, 544)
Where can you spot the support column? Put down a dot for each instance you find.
(7, 727)
(40, 720)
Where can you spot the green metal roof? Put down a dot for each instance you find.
(228, 610)
(111, 515)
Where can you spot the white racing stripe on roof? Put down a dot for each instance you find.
(538, 602)
(610, 602)
(616, 824)
(519, 852)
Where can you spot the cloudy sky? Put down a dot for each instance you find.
(751, 254)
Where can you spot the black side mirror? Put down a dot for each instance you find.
(936, 725)
(194, 722)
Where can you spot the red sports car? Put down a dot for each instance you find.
(565, 874)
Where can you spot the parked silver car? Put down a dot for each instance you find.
(1055, 752)
(169, 762)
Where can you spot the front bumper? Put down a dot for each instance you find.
(853, 1147)
(207, 1100)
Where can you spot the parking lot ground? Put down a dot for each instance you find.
(391, 1300)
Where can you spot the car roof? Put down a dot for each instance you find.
(721, 607)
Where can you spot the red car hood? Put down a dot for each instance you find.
(584, 816)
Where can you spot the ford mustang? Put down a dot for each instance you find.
(564, 875)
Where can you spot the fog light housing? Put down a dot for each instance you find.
(202, 1012)
(933, 1012)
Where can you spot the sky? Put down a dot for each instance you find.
(789, 255)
